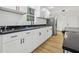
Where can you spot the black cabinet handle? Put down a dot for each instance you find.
(47, 30)
(13, 36)
(21, 41)
(39, 33)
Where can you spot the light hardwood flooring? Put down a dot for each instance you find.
(52, 45)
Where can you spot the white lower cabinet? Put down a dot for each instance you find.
(32, 39)
(28, 41)
(37, 37)
(43, 35)
(13, 47)
(25, 41)
(49, 31)
(12, 43)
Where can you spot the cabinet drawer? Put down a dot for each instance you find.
(12, 47)
(9, 37)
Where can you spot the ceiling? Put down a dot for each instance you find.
(67, 9)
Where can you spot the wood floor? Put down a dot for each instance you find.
(52, 45)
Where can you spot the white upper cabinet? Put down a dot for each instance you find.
(12, 19)
(37, 11)
(23, 9)
(22, 15)
(38, 16)
(42, 12)
(10, 7)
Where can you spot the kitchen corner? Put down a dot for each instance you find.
(19, 36)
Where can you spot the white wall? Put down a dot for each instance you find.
(69, 18)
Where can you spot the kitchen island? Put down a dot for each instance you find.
(71, 40)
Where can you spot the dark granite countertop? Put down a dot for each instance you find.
(71, 29)
(21, 29)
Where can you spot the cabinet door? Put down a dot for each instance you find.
(36, 38)
(23, 9)
(49, 31)
(43, 35)
(32, 39)
(40, 36)
(12, 43)
(12, 47)
(37, 11)
(10, 7)
(27, 41)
